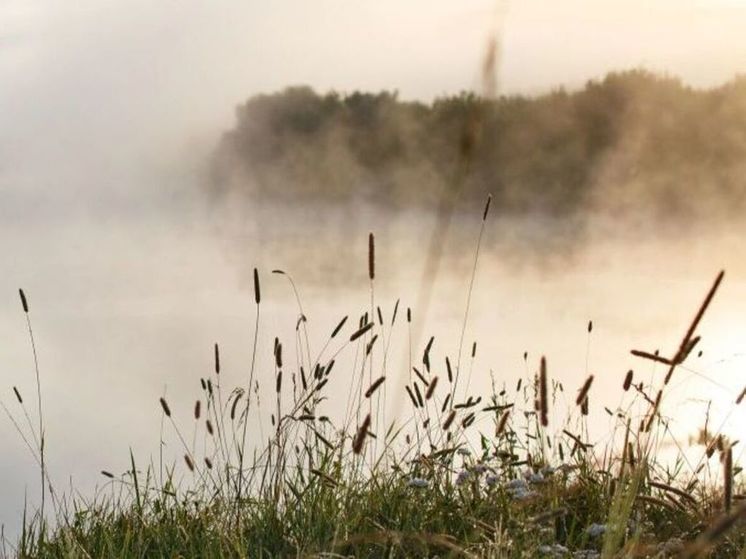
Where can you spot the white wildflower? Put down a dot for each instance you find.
(522, 494)
(673, 545)
(555, 551)
(479, 468)
(595, 530)
(417, 482)
(516, 484)
(536, 478)
(463, 477)
(586, 554)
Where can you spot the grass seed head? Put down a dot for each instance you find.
(628, 380)
(373, 387)
(584, 391)
(24, 301)
(431, 388)
(362, 432)
(371, 256)
(165, 407)
(257, 290)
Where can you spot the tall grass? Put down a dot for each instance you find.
(456, 474)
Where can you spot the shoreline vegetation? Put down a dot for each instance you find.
(631, 143)
(456, 474)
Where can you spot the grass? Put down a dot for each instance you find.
(455, 475)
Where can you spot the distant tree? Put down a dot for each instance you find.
(635, 139)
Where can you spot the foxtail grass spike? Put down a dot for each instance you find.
(628, 380)
(362, 432)
(24, 301)
(449, 420)
(444, 407)
(373, 387)
(693, 326)
(417, 392)
(165, 407)
(487, 207)
(502, 423)
(257, 291)
(584, 391)
(411, 397)
(234, 406)
(371, 256)
(431, 388)
(728, 479)
(361, 332)
(543, 393)
(339, 327)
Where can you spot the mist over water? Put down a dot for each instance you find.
(127, 310)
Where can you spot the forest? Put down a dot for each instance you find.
(631, 142)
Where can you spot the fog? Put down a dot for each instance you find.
(109, 113)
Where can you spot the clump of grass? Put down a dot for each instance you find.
(456, 474)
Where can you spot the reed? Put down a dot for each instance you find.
(431, 388)
(728, 478)
(544, 394)
(583, 392)
(41, 444)
(362, 432)
(684, 348)
(360, 332)
(371, 257)
(628, 380)
(502, 424)
(373, 387)
(164, 406)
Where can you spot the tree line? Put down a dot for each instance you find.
(631, 141)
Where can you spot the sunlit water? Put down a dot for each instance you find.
(125, 310)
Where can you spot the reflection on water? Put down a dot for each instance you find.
(127, 310)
